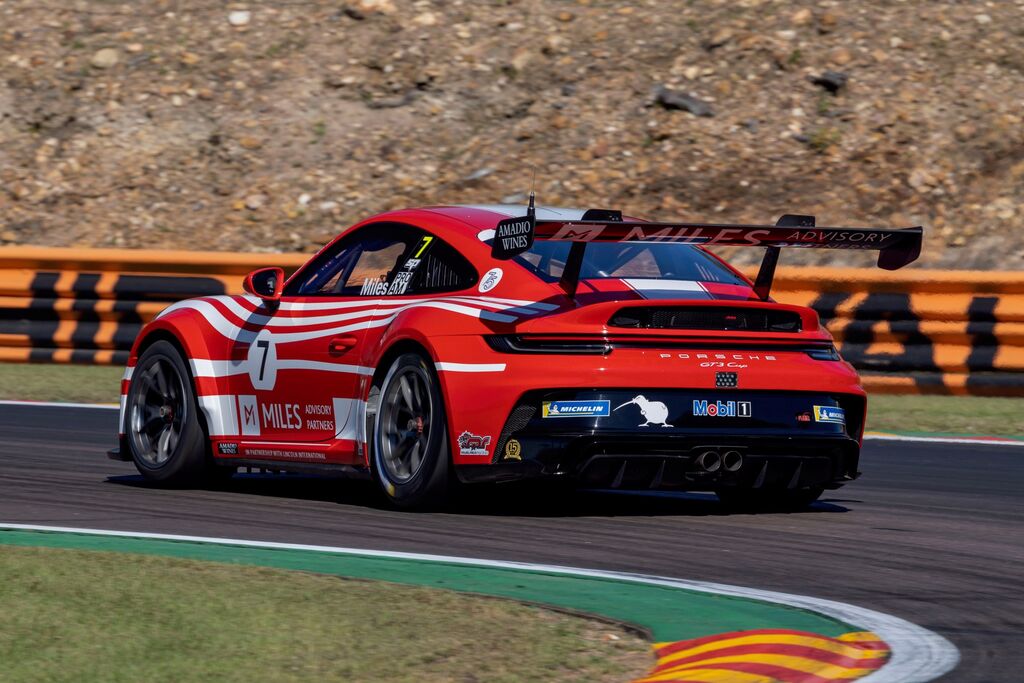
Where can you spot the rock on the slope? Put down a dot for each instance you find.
(105, 58)
(671, 99)
(833, 81)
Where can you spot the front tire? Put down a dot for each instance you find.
(409, 444)
(165, 435)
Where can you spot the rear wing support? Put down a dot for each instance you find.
(514, 236)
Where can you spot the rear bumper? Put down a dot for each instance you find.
(758, 439)
(676, 462)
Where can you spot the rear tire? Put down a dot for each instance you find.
(769, 500)
(165, 435)
(409, 452)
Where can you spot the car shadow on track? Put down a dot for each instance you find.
(521, 499)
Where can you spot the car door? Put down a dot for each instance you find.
(308, 363)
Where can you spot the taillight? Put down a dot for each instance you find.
(824, 353)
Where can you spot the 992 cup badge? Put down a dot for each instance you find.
(577, 344)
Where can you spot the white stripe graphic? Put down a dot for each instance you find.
(384, 308)
(363, 303)
(235, 332)
(642, 284)
(221, 413)
(350, 418)
(290, 364)
(227, 368)
(470, 367)
(217, 368)
(918, 655)
(128, 372)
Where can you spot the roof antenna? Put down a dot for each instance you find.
(531, 210)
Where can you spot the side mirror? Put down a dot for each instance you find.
(266, 283)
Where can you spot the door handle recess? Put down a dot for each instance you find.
(339, 345)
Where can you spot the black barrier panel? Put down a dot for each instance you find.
(981, 316)
(826, 305)
(918, 352)
(165, 287)
(46, 309)
(82, 337)
(41, 333)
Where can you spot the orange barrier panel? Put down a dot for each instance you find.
(922, 331)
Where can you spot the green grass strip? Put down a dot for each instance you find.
(668, 613)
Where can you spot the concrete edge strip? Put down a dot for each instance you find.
(973, 441)
(59, 404)
(874, 436)
(918, 655)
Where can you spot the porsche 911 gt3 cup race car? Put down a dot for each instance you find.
(428, 347)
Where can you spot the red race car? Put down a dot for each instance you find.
(427, 347)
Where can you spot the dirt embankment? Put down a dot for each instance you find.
(267, 126)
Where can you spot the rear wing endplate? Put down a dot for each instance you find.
(513, 236)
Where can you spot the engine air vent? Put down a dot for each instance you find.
(707, 318)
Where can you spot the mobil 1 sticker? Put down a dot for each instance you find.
(721, 408)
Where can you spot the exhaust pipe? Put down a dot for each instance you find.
(732, 460)
(709, 461)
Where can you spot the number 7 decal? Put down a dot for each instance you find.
(263, 344)
(427, 239)
(262, 362)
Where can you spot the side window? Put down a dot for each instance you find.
(362, 263)
(442, 269)
(373, 265)
(386, 260)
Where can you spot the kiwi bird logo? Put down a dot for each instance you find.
(654, 412)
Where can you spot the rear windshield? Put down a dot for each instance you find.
(628, 260)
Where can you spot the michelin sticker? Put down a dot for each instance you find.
(576, 408)
(490, 280)
(829, 414)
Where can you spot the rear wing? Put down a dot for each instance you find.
(514, 236)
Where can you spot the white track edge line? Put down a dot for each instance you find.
(943, 439)
(918, 655)
(60, 404)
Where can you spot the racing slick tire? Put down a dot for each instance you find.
(768, 500)
(409, 446)
(164, 432)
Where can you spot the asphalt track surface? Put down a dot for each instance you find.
(932, 533)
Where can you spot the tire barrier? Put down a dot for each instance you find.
(87, 305)
(919, 331)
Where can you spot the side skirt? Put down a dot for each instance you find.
(321, 468)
